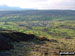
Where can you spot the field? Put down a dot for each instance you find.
(57, 26)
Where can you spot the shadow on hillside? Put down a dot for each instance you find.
(19, 36)
(8, 37)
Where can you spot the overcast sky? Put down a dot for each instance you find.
(40, 4)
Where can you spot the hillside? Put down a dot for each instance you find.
(17, 43)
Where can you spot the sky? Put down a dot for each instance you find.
(41, 4)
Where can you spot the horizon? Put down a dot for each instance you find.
(26, 8)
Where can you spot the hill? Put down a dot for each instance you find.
(12, 8)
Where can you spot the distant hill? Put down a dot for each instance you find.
(36, 15)
(5, 8)
(39, 12)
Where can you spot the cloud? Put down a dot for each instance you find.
(41, 4)
(58, 4)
